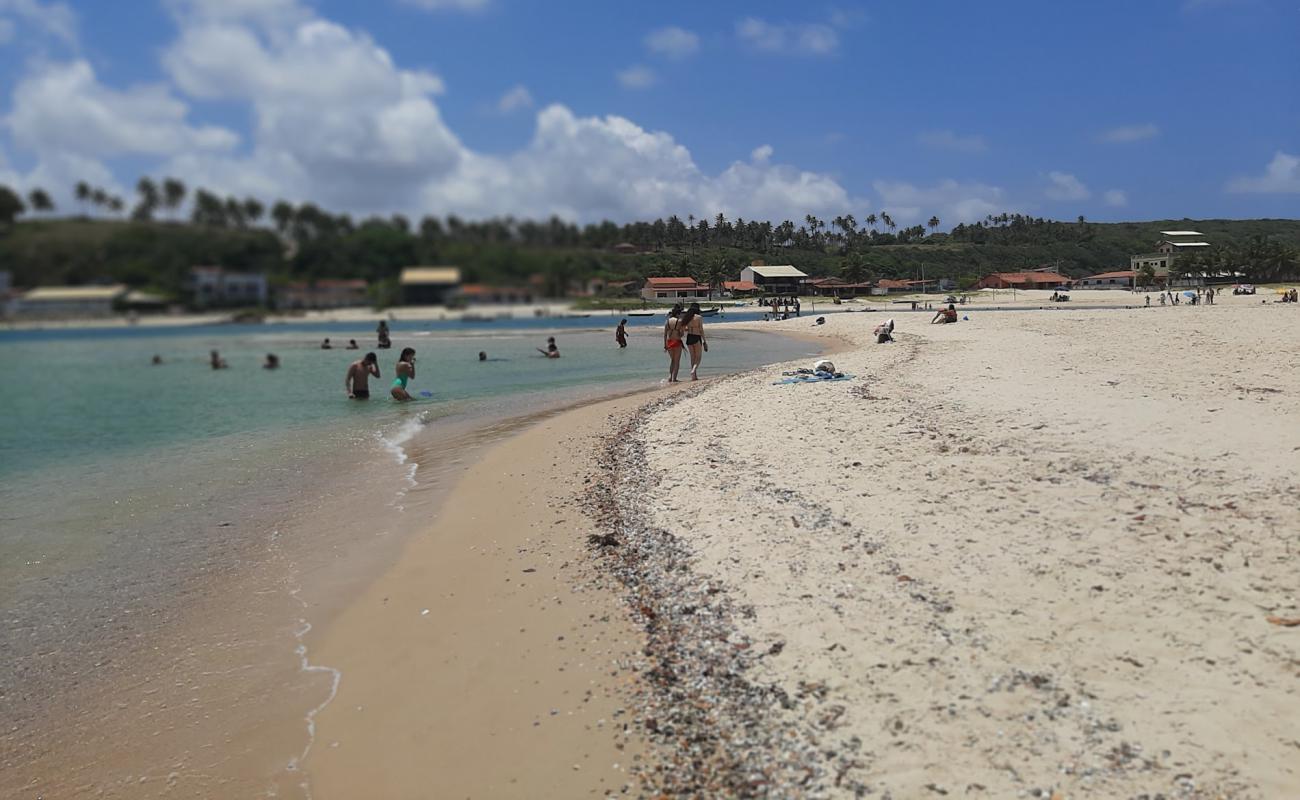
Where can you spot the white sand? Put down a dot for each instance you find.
(1034, 551)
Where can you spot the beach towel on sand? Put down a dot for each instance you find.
(820, 377)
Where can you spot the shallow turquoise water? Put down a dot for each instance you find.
(123, 484)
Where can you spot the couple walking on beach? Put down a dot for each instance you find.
(357, 379)
(690, 326)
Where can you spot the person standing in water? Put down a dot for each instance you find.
(217, 362)
(693, 324)
(673, 332)
(620, 333)
(405, 373)
(551, 351)
(382, 334)
(357, 379)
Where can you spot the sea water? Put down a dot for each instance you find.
(131, 493)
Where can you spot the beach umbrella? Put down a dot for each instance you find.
(1189, 294)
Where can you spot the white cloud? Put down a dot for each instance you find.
(1130, 133)
(1281, 176)
(448, 5)
(63, 108)
(636, 77)
(1064, 186)
(813, 38)
(337, 122)
(51, 19)
(673, 42)
(515, 99)
(948, 140)
(1117, 198)
(951, 201)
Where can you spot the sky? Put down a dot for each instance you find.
(590, 110)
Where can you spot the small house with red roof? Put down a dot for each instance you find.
(1031, 279)
(674, 289)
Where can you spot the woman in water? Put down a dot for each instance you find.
(673, 332)
(620, 334)
(693, 324)
(405, 372)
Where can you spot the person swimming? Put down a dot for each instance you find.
(325, 345)
(551, 351)
(405, 372)
(272, 361)
(156, 360)
(352, 345)
(482, 355)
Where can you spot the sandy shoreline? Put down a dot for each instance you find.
(1033, 553)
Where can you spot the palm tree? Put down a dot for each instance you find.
(149, 199)
(11, 206)
(173, 194)
(83, 195)
(887, 221)
(253, 209)
(871, 222)
(39, 200)
(99, 197)
(116, 204)
(934, 224)
(282, 213)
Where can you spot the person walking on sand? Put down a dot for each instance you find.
(405, 372)
(673, 332)
(693, 324)
(620, 334)
(357, 379)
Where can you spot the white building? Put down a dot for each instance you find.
(70, 301)
(1168, 250)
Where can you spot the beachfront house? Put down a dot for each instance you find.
(739, 288)
(1168, 250)
(428, 286)
(216, 286)
(323, 293)
(891, 286)
(782, 279)
(482, 294)
(674, 290)
(1042, 278)
(1122, 279)
(49, 302)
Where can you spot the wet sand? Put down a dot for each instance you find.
(492, 660)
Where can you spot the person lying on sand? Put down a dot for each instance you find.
(945, 315)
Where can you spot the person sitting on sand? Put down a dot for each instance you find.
(405, 372)
(884, 332)
(620, 334)
(551, 350)
(217, 362)
(945, 315)
(352, 345)
(325, 345)
(272, 361)
(356, 382)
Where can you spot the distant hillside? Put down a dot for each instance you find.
(157, 255)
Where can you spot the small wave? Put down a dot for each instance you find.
(395, 442)
(305, 665)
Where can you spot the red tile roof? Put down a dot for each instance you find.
(671, 283)
(1123, 273)
(740, 286)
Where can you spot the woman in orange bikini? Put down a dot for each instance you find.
(673, 332)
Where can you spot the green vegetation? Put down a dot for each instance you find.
(152, 247)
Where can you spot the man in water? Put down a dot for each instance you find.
(620, 333)
(551, 350)
(217, 362)
(357, 380)
(325, 345)
(352, 345)
(482, 355)
(272, 361)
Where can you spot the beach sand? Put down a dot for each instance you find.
(492, 660)
(1030, 554)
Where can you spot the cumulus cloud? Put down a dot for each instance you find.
(1116, 198)
(950, 200)
(49, 19)
(636, 77)
(813, 38)
(515, 99)
(673, 42)
(1130, 133)
(63, 108)
(1064, 186)
(335, 121)
(949, 140)
(1281, 176)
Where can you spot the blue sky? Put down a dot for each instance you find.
(1114, 110)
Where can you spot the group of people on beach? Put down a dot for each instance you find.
(684, 330)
